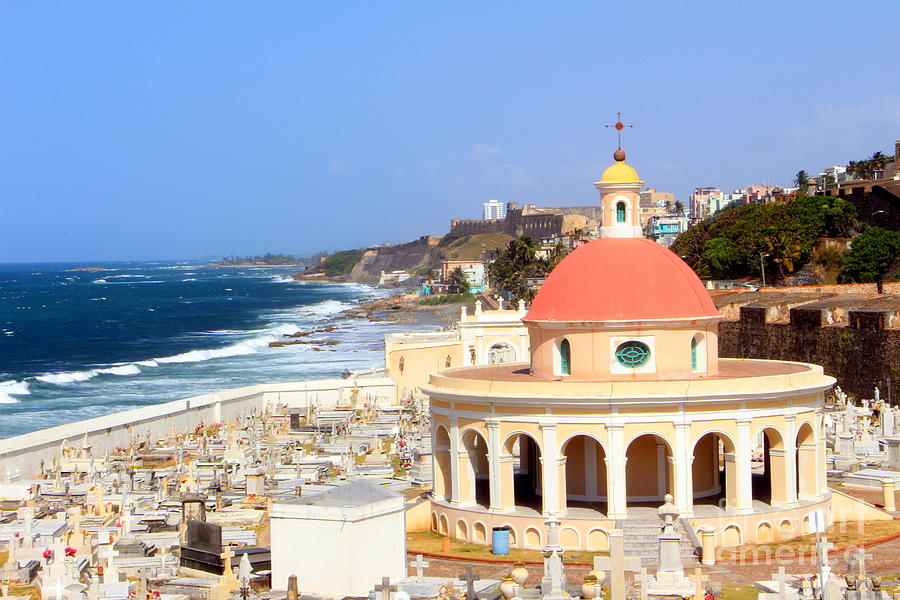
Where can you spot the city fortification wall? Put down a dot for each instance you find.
(21, 456)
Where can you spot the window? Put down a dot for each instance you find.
(632, 354)
(620, 212)
(698, 354)
(565, 358)
(694, 354)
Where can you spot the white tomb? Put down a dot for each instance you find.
(339, 542)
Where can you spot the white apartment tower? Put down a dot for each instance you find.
(494, 209)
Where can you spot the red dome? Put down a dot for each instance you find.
(621, 279)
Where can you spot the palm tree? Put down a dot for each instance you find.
(878, 161)
(679, 208)
(801, 181)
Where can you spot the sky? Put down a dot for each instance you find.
(180, 130)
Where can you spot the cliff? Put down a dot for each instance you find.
(412, 256)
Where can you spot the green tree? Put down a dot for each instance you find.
(457, 281)
(514, 264)
(719, 254)
(679, 208)
(870, 256)
(801, 181)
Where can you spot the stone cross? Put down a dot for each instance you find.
(699, 580)
(142, 581)
(227, 555)
(419, 565)
(386, 588)
(782, 580)
(859, 557)
(469, 578)
(645, 581)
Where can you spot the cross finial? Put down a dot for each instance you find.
(619, 126)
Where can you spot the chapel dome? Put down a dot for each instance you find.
(620, 171)
(621, 279)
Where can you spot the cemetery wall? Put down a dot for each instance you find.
(21, 456)
(859, 358)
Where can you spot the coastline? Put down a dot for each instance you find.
(444, 316)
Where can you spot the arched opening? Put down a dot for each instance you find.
(443, 528)
(648, 470)
(698, 354)
(768, 471)
(532, 539)
(443, 485)
(714, 471)
(807, 463)
(462, 531)
(620, 212)
(479, 535)
(501, 353)
(474, 484)
(586, 483)
(521, 473)
(565, 358)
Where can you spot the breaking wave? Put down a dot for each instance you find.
(8, 389)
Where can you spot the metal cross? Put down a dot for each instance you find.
(470, 578)
(619, 126)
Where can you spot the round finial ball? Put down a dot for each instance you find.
(619, 155)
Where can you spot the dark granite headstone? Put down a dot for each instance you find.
(203, 547)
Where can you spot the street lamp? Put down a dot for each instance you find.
(762, 268)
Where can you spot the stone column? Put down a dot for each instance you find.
(744, 472)
(495, 481)
(507, 482)
(790, 461)
(808, 471)
(708, 545)
(550, 470)
(615, 468)
(684, 476)
(454, 461)
(887, 492)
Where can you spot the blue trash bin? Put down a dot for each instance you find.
(500, 540)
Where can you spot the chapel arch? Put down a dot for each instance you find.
(586, 475)
(698, 354)
(648, 470)
(521, 473)
(443, 484)
(714, 472)
(563, 358)
(474, 479)
(769, 473)
(500, 353)
(621, 212)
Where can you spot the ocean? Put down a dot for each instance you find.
(76, 344)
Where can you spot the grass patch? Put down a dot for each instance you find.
(472, 247)
(739, 592)
(448, 299)
(841, 534)
(340, 263)
(426, 541)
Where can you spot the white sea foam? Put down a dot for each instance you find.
(284, 279)
(122, 370)
(67, 376)
(11, 388)
(190, 279)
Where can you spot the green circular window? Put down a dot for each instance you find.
(632, 354)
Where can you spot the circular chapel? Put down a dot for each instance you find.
(624, 399)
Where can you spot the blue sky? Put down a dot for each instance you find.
(162, 130)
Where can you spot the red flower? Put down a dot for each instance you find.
(48, 554)
(70, 552)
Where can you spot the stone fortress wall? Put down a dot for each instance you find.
(851, 330)
(533, 221)
(22, 455)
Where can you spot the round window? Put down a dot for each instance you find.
(632, 354)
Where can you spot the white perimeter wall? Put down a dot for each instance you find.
(20, 456)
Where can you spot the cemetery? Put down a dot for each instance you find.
(592, 445)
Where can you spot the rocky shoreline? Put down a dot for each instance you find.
(441, 316)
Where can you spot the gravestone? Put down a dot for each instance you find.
(202, 548)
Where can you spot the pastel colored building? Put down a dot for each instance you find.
(622, 399)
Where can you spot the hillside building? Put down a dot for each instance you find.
(493, 210)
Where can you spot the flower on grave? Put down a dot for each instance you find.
(70, 551)
(48, 554)
(709, 597)
(17, 534)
